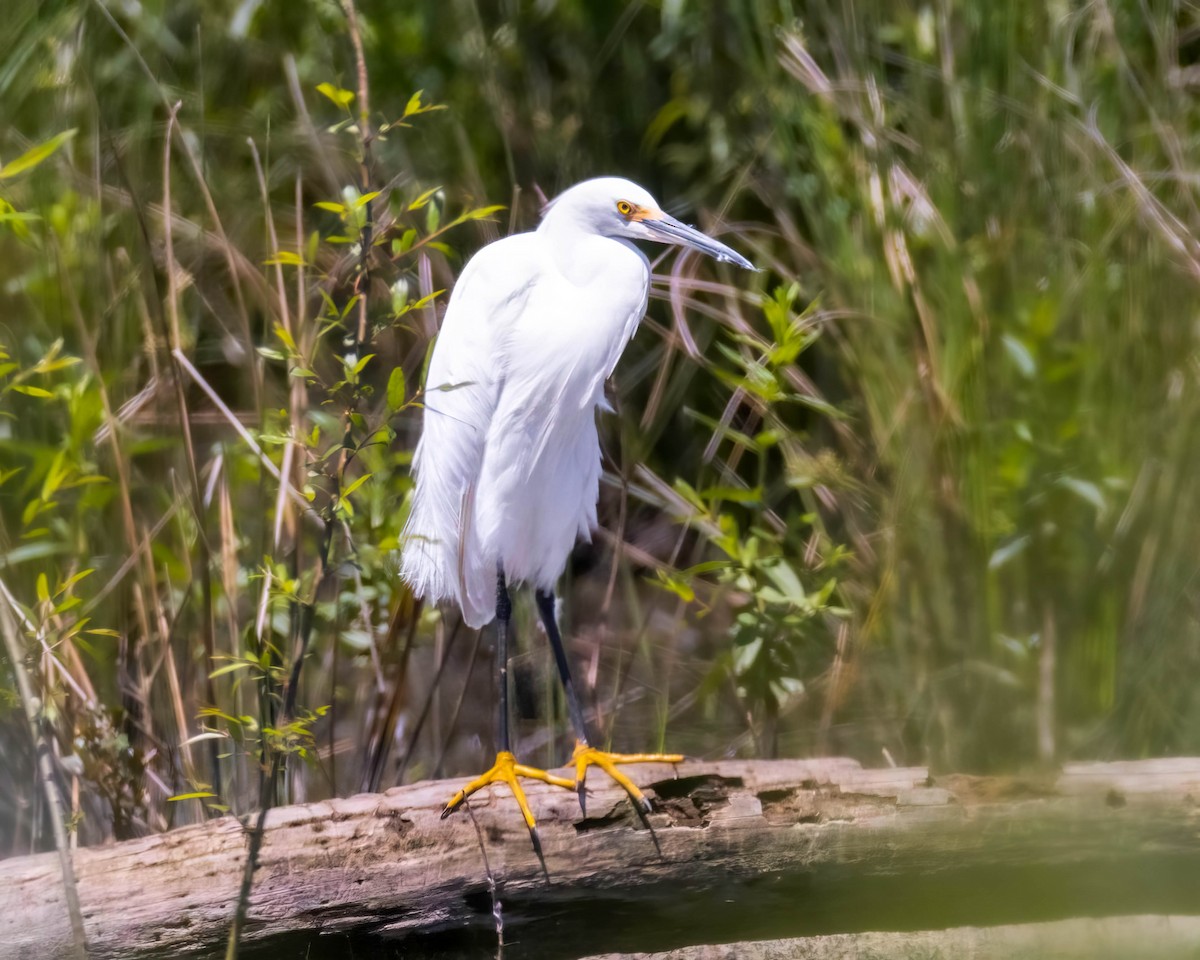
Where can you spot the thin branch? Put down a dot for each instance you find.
(208, 628)
(242, 432)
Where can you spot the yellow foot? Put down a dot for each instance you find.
(586, 756)
(507, 770)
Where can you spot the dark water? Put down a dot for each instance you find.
(833, 899)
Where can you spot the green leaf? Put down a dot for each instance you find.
(228, 668)
(35, 155)
(744, 655)
(679, 587)
(447, 387)
(1085, 490)
(32, 509)
(338, 208)
(1020, 355)
(10, 214)
(285, 258)
(71, 581)
(482, 213)
(707, 566)
(424, 301)
(53, 365)
(356, 484)
(43, 589)
(423, 199)
(733, 494)
(403, 245)
(32, 391)
(195, 795)
(1007, 551)
(283, 334)
(103, 632)
(343, 98)
(786, 580)
(395, 389)
(415, 106)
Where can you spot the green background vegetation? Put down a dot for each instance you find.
(920, 490)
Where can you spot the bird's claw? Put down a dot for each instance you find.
(507, 770)
(586, 756)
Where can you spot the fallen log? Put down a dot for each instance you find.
(738, 851)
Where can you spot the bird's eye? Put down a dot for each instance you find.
(624, 208)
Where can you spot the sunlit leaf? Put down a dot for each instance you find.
(35, 155)
(228, 668)
(1020, 355)
(71, 581)
(423, 199)
(1085, 490)
(285, 258)
(1006, 552)
(32, 391)
(355, 485)
(482, 213)
(343, 98)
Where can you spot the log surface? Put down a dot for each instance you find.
(739, 851)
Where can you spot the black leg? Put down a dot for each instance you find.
(503, 625)
(503, 621)
(585, 755)
(545, 605)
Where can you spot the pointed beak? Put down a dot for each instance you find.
(666, 229)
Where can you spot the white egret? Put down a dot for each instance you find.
(508, 466)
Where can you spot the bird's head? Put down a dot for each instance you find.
(614, 207)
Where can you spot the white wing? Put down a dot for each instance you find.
(540, 475)
(443, 557)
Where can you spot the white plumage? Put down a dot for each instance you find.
(508, 466)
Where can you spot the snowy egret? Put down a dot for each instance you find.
(508, 466)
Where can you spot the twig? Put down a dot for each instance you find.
(364, 132)
(186, 365)
(208, 626)
(497, 905)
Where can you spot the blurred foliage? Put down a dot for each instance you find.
(921, 486)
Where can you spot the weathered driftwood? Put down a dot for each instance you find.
(740, 851)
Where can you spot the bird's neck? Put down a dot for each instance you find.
(573, 247)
